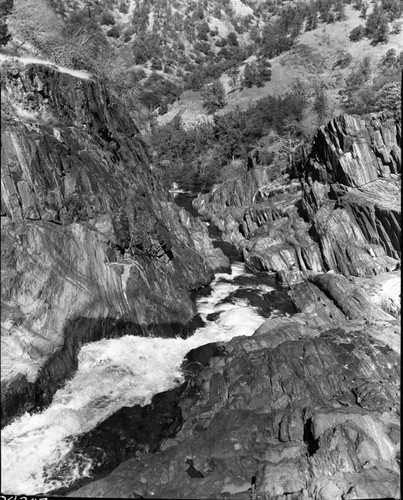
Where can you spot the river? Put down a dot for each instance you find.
(128, 371)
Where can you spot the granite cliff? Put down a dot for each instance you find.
(341, 214)
(91, 246)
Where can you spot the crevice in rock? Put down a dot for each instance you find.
(309, 439)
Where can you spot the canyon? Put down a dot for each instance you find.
(92, 248)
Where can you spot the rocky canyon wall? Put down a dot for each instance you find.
(307, 408)
(342, 214)
(91, 247)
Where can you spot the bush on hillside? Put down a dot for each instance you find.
(232, 39)
(357, 33)
(321, 104)
(213, 97)
(250, 75)
(396, 28)
(107, 18)
(389, 98)
(123, 7)
(195, 157)
(158, 92)
(114, 32)
(6, 7)
(392, 8)
(255, 74)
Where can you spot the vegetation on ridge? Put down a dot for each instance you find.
(150, 52)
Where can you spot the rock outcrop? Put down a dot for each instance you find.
(343, 214)
(91, 247)
(306, 408)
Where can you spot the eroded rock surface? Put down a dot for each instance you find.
(342, 215)
(295, 411)
(307, 407)
(91, 247)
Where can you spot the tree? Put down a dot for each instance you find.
(82, 44)
(264, 70)
(312, 19)
(389, 59)
(321, 104)
(6, 6)
(396, 28)
(203, 31)
(392, 8)
(357, 33)
(33, 22)
(389, 97)
(340, 10)
(371, 26)
(123, 8)
(250, 75)
(233, 75)
(214, 96)
(114, 32)
(232, 39)
(382, 33)
(107, 18)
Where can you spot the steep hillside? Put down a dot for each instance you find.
(323, 57)
(151, 52)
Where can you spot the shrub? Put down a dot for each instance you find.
(232, 39)
(127, 36)
(389, 98)
(357, 33)
(203, 47)
(203, 31)
(214, 96)
(321, 104)
(123, 8)
(6, 6)
(382, 33)
(256, 74)
(392, 8)
(114, 32)
(107, 18)
(156, 64)
(396, 28)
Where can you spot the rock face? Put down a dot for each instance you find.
(342, 215)
(306, 408)
(346, 142)
(90, 245)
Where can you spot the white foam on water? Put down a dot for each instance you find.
(111, 373)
